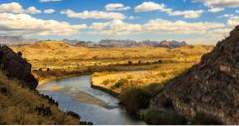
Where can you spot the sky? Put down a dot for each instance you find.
(193, 21)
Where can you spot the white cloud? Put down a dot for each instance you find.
(33, 10)
(215, 10)
(219, 3)
(116, 27)
(187, 13)
(132, 17)
(19, 24)
(93, 14)
(44, 1)
(49, 11)
(17, 8)
(227, 16)
(233, 21)
(181, 27)
(152, 6)
(116, 7)
(12, 7)
(157, 25)
(192, 31)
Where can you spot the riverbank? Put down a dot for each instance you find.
(115, 82)
(80, 96)
(45, 76)
(111, 92)
(77, 95)
(53, 60)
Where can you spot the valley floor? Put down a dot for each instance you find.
(110, 66)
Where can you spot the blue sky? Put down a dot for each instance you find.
(194, 21)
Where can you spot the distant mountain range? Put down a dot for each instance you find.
(13, 40)
(129, 43)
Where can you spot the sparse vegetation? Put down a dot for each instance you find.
(139, 78)
(155, 117)
(134, 99)
(205, 120)
(20, 105)
(119, 83)
(78, 60)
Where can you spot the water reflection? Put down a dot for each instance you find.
(75, 94)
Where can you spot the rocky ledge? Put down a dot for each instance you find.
(16, 67)
(209, 91)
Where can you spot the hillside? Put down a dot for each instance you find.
(140, 66)
(208, 93)
(60, 50)
(20, 103)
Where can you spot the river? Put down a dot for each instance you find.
(75, 94)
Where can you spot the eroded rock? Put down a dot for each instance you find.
(16, 67)
(210, 88)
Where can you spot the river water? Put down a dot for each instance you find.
(75, 94)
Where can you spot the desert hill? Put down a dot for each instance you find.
(50, 45)
(208, 91)
(61, 57)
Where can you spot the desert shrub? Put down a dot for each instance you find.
(1, 66)
(139, 62)
(19, 54)
(163, 74)
(40, 69)
(130, 62)
(106, 82)
(119, 83)
(203, 119)
(134, 99)
(167, 117)
(160, 61)
(129, 77)
(73, 114)
(153, 89)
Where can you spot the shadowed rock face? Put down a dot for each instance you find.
(16, 67)
(210, 88)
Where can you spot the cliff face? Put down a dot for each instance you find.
(17, 67)
(209, 89)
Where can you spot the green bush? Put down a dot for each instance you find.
(106, 82)
(168, 117)
(119, 83)
(153, 89)
(134, 99)
(203, 119)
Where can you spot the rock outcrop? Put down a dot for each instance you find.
(16, 67)
(209, 90)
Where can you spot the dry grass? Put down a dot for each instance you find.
(18, 106)
(139, 66)
(164, 72)
(59, 55)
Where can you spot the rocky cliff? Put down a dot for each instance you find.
(16, 67)
(20, 103)
(210, 90)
